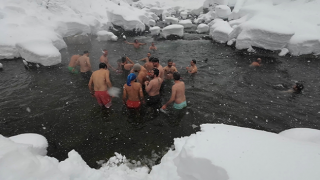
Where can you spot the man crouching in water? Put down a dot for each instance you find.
(297, 88)
(101, 83)
(153, 88)
(132, 93)
(178, 93)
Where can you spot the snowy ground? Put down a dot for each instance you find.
(216, 152)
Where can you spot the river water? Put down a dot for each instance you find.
(52, 102)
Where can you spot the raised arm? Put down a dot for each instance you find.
(128, 59)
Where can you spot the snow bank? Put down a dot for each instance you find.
(229, 152)
(203, 28)
(171, 20)
(206, 18)
(223, 11)
(302, 134)
(38, 51)
(220, 31)
(175, 29)
(155, 30)
(106, 36)
(38, 143)
(186, 23)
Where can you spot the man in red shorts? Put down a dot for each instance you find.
(132, 93)
(100, 82)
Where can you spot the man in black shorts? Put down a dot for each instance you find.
(153, 88)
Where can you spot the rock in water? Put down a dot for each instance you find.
(25, 62)
(1, 66)
(124, 37)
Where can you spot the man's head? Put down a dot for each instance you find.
(149, 55)
(152, 44)
(259, 60)
(155, 62)
(155, 72)
(136, 67)
(105, 52)
(131, 77)
(86, 53)
(170, 62)
(193, 62)
(123, 59)
(298, 87)
(135, 41)
(102, 66)
(176, 76)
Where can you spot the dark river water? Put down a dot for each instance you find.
(52, 102)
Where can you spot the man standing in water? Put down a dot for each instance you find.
(153, 88)
(101, 83)
(193, 69)
(136, 44)
(104, 59)
(85, 65)
(73, 63)
(153, 47)
(140, 72)
(257, 63)
(169, 70)
(146, 58)
(156, 64)
(178, 94)
(132, 93)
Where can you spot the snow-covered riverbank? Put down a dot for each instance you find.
(217, 152)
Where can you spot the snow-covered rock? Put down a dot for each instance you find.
(283, 52)
(175, 29)
(93, 23)
(221, 33)
(304, 44)
(106, 36)
(1, 66)
(155, 30)
(38, 143)
(303, 134)
(203, 28)
(42, 52)
(72, 26)
(186, 23)
(205, 18)
(223, 11)
(158, 11)
(152, 22)
(171, 20)
(184, 14)
(228, 152)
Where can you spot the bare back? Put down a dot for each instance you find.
(178, 90)
(73, 60)
(84, 63)
(133, 92)
(148, 66)
(100, 80)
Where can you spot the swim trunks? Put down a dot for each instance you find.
(86, 75)
(103, 98)
(133, 104)
(73, 70)
(153, 100)
(180, 106)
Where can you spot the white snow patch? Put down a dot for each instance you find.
(175, 29)
(186, 23)
(106, 36)
(223, 11)
(283, 52)
(171, 20)
(303, 134)
(38, 143)
(203, 28)
(155, 30)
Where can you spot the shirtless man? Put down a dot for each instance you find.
(140, 72)
(297, 88)
(257, 63)
(136, 44)
(146, 58)
(85, 66)
(73, 63)
(149, 65)
(153, 47)
(128, 63)
(193, 69)
(153, 88)
(101, 83)
(132, 93)
(169, 70)
(156, 64)
(178, 94)
(104, 59)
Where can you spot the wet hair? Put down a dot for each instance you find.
(259, 59)
(155, 60)
(194, 61)
(170, 60)
(156, 72)
(176, 76)
(151, 58)
(299, 87)
(123, 59)
(102, 65)
(135, 41)
(85, 52)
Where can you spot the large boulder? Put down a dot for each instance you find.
(203, 28)
(155, 30)
(186, 23)
(176, 29)
(106, 36)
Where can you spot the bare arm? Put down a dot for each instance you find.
(88, 62)
(194, 70)
(144, 59)
(128, 59)
(175, 69)
(173, 95)
(128, 42)
(109, 85)
(148, 86)
(141, 94)
(124, 96)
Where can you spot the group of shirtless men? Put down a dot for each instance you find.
(149, 77)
